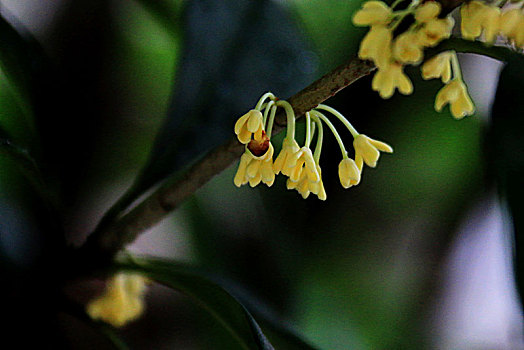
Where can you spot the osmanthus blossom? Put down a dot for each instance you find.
(455, 93)
(300, 163)
(256, 164)
(389, 78)
(438, 66)
(348, 173)
(512, 26)
(122, 300)
(288, 153)
(478, 17)
(367, 150)
(373, 13)
(249, 125)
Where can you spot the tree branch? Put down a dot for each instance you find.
(104, 244)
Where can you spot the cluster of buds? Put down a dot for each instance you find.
(122, 300)
(300, 164)
(490, 20)
(391, 53)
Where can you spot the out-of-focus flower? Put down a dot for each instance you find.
(349, 173)
(478, 17)
(435, 30)
(512, 26)
(373, 13)
(427, 11)
(438, 67)
(376, 45)
(121, 302)
(407, 49)
(367, 150)
(456, 94)
(389, 78)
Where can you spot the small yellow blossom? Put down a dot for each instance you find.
(255, 169)
(372, 13)
(121, 302)
(477, 17)
(427, 11)
(407, 49)
(349, 173)
(367, 150)
(435, 30)
(303, 161)
(456, 94)
(282, 164)
(249, 124)
(376, 45)
(387, 79)
(305, 186)
(512, 26)
(472, 15)
(438, 67)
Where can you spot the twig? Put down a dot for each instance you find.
(104, 244)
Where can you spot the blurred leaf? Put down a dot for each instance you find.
(164, 12)
(17, 58)
(505, 152)
(219, 303)
(234, 51)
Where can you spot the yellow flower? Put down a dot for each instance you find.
(303, 161)
(407, 49)
(438, 67)
(121, 302)
(427, 11)
(512, 26)
(249, 124)
(376, 45)
(472, 15)
(372, 13)
(255, 168)
(282, 163)
(456, 94)
(477, 17)
(349, 173)
(305, 186)
(435, 30)
(367, 150)
(389, 78)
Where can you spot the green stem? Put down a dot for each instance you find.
(334, 131)
(457, 73)
(271, 120)
(263, 99)
(308, 130)
(267, 108)
(339, 115)
(290, 114)
(320, 137)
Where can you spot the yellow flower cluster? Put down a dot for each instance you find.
(121, 302)
(300, 164)
(390, 54)
(489, 20)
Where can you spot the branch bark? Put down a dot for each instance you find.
(104, 244)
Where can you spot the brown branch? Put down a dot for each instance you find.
(104, 244)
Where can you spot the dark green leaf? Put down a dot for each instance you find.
(234, 51)
(220, 303)
(506, 153)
